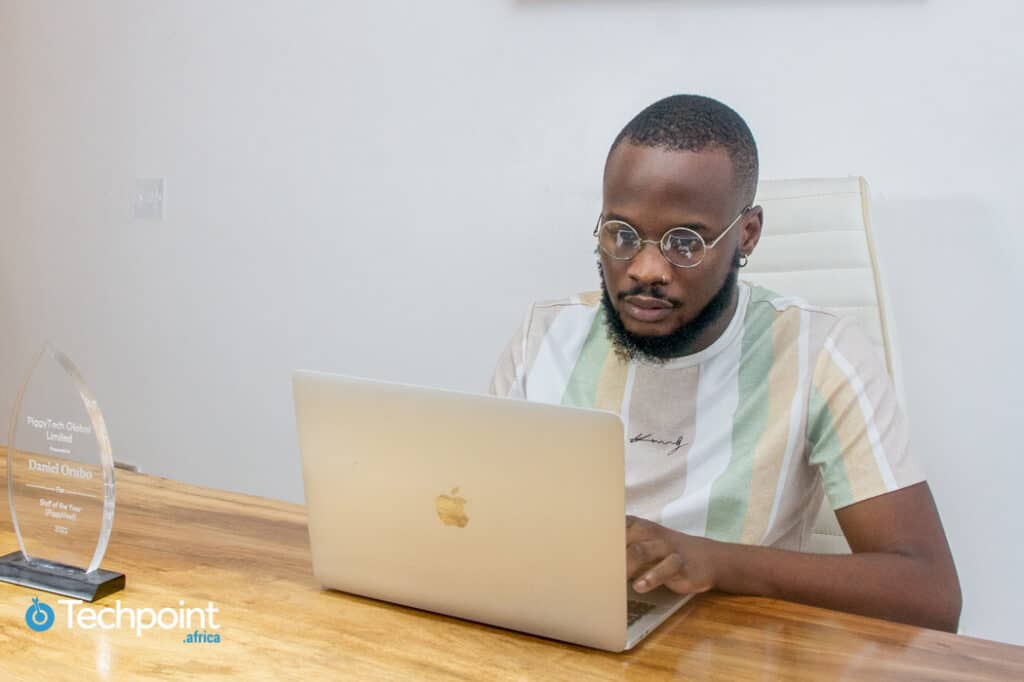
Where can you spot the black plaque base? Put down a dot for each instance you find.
(49, 576)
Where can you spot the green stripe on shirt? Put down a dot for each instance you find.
(826, 453)
(581, 391)
(727, 505)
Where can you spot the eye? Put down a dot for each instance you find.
(625, 238)
(686, 245)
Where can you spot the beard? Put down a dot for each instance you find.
(661, 349)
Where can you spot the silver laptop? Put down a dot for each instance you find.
(498, 511)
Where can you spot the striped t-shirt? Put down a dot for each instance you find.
(734, 442)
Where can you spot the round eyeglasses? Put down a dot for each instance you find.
(681, 246)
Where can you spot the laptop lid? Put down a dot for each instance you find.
(499, 511)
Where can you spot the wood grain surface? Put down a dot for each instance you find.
(250, 557)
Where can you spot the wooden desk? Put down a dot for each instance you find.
(250, 556)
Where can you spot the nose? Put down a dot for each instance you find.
(649, 267)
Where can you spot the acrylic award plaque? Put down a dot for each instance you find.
(60, 483)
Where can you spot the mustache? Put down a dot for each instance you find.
(654, 291)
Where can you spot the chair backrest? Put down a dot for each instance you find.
(817, 244)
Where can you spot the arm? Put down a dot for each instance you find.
(900, 569)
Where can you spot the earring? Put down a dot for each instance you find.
(743, 260)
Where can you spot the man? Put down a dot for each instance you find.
(739, 404)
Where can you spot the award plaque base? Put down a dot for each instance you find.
(58, 578)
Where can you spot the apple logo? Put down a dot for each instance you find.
(450, 509)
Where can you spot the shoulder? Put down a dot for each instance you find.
(790, 322)
(587, 299)
(842, 340)
(569, 311)
(767, 302)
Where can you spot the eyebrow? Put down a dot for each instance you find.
(696, 227)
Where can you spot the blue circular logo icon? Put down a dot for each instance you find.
(39, 616)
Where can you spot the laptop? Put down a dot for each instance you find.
(493, 510)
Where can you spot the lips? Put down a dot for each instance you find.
(647, 309)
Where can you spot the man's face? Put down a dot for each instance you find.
(655, 190)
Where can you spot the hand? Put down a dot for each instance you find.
(656, 555)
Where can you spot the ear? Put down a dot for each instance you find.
(751, 232)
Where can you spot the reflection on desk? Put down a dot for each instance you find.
(250, 557)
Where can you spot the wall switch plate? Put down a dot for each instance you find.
(149, 199)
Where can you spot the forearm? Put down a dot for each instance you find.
(887, 585)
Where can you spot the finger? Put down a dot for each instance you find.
(643, 555)
(668, 570)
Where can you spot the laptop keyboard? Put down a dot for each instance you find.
(635, 610)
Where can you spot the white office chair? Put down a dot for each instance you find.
(817, 244)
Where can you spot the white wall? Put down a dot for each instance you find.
(381, 188)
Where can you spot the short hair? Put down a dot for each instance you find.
(694, 123)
